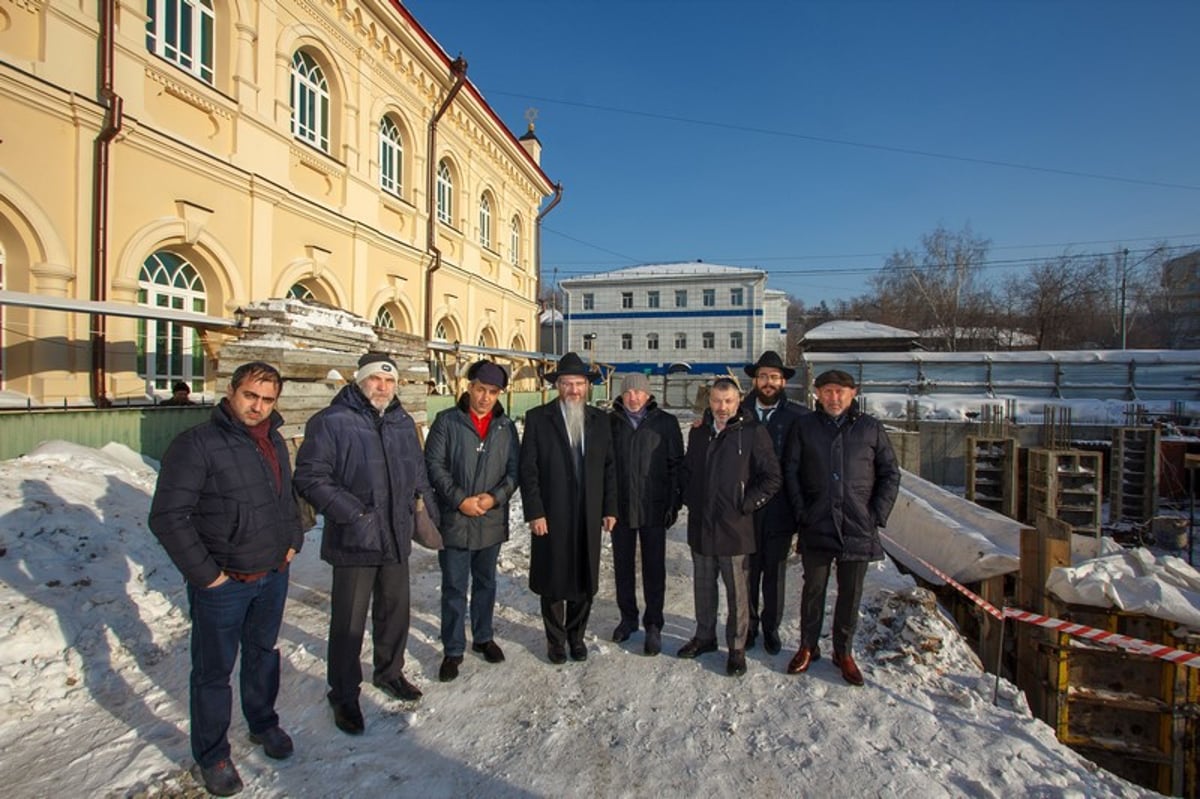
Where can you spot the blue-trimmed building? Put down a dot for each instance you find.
(650, 318)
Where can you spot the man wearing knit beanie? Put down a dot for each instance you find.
(361, 467)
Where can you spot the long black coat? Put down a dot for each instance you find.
(648, 463)
(727, 476)
(216, 507)
(842, 481)
(363, 472)
(776, 519)
(461, 465)
(565, 563)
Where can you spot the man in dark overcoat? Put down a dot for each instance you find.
(842, 478)
(569, 493)
(774, 524)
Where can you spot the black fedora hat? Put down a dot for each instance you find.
(571, 365)
(770, 359)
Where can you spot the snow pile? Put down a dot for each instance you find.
(1165, 587)
(94, 668)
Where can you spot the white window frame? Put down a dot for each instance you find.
(391, 157)
(514, 241)
(652, 341)
(681, 298)
(169, 281)
(184, 33)
(485, 221)
(652, 299)
(445, 193)
(310, 101)
(384, 319)
(627, 341)
(681, 341)
(708, 340)
(735, 340)
(626, 299)
(737, 297)
(709, 298)
(589, 301)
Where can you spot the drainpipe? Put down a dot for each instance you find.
(113, 104)
(537, 246)
(458, 68)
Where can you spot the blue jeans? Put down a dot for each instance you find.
(459, 565)
(223, 618)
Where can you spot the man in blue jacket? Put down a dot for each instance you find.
(473, 458)
(224, 511)
(362, 468)
(842, 479)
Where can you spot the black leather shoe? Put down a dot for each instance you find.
(623, 631)
(400, 688)
(736, 665)
(696, 647)
(556, 654)
(448, 671)
(771, 642)
(276, 743)
(348, 717)
(490, 650)
(751, 637)
(578, 650)
(653, 643)
(221, 778)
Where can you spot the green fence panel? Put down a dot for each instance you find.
(146, 430)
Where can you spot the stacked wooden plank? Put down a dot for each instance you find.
(316, 348)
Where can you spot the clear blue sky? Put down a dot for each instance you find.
(784, 135)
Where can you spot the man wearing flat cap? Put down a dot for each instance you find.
(842, 478)
(473, 459)
(569, 493)
(774, 524)
(649, 453)
(362, 468)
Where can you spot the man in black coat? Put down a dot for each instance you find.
(224, 511)
(361, 467)
(774, 524)
(569, 492)
(473, 458)
(649, 451)
(729, 472)
(842, 478)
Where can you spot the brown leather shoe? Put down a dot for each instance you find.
(801, 661)
(850, 672)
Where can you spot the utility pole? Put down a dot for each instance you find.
(1124, 281)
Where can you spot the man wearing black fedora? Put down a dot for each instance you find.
(774, 524)
(569, 493)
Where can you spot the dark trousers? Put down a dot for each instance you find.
(460, 566)
(850, 576)
(231, 616)
(565, 619)
(385, 589)
(768, 575)
(733, 570)
(654, 572)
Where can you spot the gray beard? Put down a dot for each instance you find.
(573, 412)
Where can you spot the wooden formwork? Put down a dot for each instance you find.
(1135, 715)
(992, 473)
(1066, 484)
(1134, 473)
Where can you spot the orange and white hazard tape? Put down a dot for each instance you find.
(1177, 656)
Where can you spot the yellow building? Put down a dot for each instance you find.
(201, 154)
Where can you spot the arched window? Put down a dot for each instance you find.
(439, 331)
(437, 372)
(310, 102)
(299, 291)
(485, 221)
(168, 351)
(384, 319)
(445, 194)
(514, 241)
(182, 31)
(391, 155)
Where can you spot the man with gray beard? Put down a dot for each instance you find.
(362, 468)
(569, 492)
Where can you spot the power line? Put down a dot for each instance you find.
(851, 143)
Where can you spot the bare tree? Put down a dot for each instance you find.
(937, 287)
(1058, 301)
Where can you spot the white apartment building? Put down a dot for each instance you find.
(658, 317)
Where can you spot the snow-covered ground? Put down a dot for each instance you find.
(94, 667)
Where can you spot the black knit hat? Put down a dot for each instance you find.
(771, 360)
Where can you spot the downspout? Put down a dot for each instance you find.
(458, 68)
(537, 256)
(113, 104)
